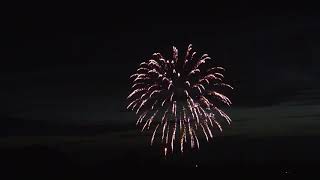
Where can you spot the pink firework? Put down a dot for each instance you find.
(178, 98)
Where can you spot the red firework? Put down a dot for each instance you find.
(179, 98)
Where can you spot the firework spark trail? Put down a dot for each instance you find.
(179, 98)
(154, 133)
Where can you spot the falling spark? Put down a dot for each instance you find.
(178, 98)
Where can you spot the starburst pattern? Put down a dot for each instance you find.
(178, 98)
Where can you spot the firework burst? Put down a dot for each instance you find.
(178, 98)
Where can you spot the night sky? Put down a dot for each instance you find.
(65, 78)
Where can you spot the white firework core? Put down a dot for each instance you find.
(179, 98)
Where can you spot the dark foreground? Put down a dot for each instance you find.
(228, 157)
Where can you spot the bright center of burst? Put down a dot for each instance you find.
(180, 87)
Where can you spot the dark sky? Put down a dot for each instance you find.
(65, 75)
(82, 56)
(71, 63)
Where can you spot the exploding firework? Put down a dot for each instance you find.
(178, 98)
